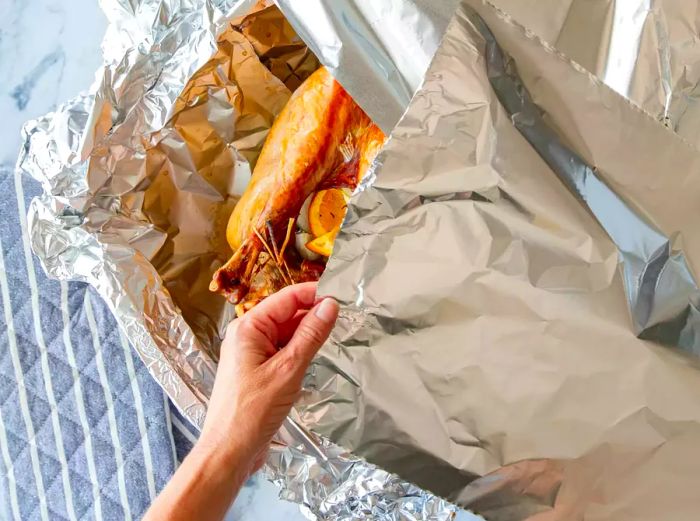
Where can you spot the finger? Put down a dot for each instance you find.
(267, 317)
(308, 338)
(284, 304)
(286, 330)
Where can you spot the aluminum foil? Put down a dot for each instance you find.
(646, 50)
(520, 304)
(139, 178)
(390, 42)
(520, 197)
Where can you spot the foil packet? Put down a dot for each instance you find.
(537, 188)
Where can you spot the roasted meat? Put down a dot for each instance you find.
(321, 141)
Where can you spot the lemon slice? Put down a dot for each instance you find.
(301, 239)
(326, 211)
(323, 244)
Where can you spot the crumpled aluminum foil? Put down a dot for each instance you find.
(521, 265)
(139, 177)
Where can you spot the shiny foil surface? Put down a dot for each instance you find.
(519, 325)
(646, 50)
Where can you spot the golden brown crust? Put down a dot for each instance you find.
(301, 148)
(303, 151)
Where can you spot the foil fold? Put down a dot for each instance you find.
(646, 50)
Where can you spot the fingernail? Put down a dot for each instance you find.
(327, 310)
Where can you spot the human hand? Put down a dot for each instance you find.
(263, 360)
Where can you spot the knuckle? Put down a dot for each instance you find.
(288, 364)
(249, 325)
(310, 335)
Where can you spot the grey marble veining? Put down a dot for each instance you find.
(49, 52)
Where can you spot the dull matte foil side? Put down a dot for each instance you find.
(491, 273)
(139, 177)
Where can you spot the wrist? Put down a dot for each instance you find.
(226, 456)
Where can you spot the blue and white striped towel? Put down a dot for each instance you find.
(85, 432)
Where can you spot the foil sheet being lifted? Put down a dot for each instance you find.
(520, 327)
(519, 323)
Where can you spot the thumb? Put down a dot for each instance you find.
(310, 335)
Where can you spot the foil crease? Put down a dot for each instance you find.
(139, 177)
(521, 264)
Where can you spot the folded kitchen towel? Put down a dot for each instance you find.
(85, 432)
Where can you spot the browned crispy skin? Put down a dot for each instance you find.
(301, 154)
